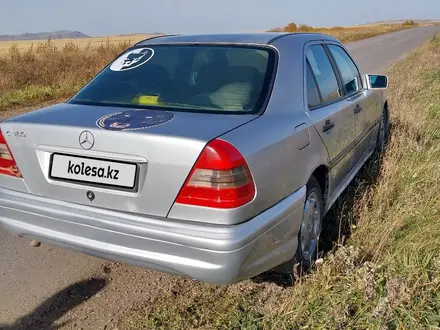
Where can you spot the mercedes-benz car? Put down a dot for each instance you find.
(213, 157)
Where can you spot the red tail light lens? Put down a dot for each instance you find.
(7, 162)
(220, 179)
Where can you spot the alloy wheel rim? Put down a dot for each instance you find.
(310, 226)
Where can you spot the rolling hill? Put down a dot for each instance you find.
(62, 34)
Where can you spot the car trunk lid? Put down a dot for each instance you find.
(57, 148)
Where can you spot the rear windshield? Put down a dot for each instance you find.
(187, 78)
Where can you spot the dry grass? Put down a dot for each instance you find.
(387, 276)
(24, 45)
(53, 70)
(47, 72)
(350, 33)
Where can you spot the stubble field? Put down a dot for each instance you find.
(24, 45)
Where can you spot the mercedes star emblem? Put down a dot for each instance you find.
(86, 140)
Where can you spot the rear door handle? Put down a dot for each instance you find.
(357, 109)
(328, 126)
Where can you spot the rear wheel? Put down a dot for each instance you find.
(310, 230)
(383, 134)
(311, 225)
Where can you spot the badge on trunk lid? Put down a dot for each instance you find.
(134, 120)
(86, 140)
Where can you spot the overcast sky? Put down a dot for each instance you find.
(107, 17)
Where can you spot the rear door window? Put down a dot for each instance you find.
(313, 95)
(325, 75)
(350, 75)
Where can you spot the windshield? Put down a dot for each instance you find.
(186, 78)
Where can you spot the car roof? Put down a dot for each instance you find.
(262, 38)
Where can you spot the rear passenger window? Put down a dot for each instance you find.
(324, 74)
(313, 97)
(349, 72)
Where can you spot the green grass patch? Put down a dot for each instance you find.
(196, 306)
(35, 94)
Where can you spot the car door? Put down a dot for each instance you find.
(331, 113)
(362, 103)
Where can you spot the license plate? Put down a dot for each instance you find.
(91, 170)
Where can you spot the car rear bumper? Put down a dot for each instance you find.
(209, 253)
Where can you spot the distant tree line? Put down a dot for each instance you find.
(294, 27)
(409, 23)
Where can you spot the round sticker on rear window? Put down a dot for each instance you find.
(132, 59)
(134, 119)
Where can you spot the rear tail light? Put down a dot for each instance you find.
(7, 162)
(219, 179)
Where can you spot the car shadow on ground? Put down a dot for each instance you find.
(46, 314)
(338, 222)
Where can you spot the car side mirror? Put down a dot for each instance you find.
(375, 81)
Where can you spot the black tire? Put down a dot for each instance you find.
(301, 263)
(383, 134)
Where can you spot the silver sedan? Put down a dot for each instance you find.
(213, 157)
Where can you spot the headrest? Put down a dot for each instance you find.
(236, 74)
(208, 77)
